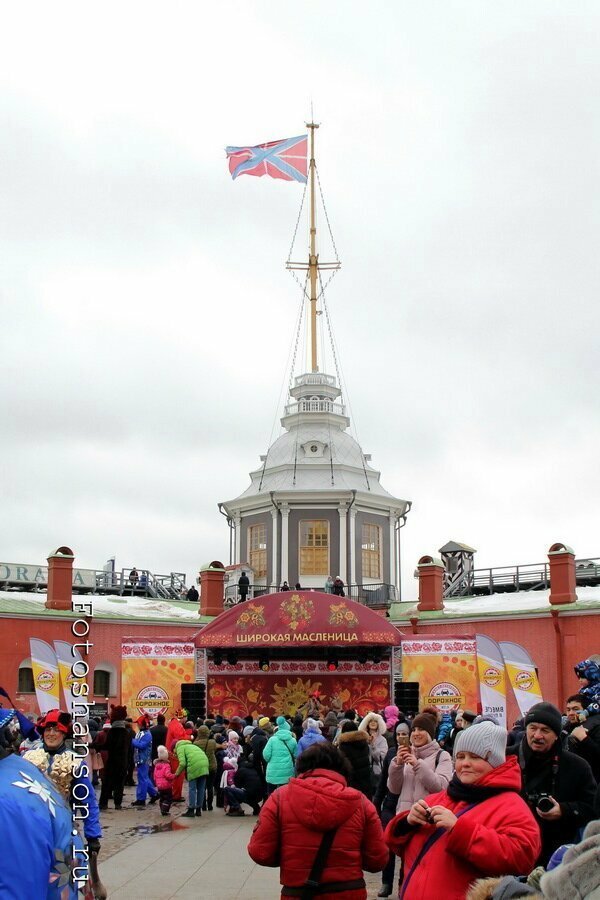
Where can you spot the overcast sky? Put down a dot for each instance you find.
(147, 315)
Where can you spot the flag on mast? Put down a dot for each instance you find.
(285, 159)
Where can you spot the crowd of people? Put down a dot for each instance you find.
(438, 803)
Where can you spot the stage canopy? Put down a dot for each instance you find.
(298, 619)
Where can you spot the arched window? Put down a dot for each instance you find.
(26, 683)
(105, 680)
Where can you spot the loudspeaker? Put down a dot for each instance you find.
(193, 698)
(406, 696)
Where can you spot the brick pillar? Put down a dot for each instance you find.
(60, 579)
(212, 589)
(562, 574)
(431, 584)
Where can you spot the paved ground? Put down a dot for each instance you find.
(148, 857)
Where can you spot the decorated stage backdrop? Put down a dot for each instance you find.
(446, 669)
(152, 675)
(243, 689)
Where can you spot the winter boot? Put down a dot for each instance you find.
(198, 811)
(189, 813)
(139, 803)
(154, 799)
(236, 812)
(386, 890)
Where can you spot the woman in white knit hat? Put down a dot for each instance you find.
(478, 826)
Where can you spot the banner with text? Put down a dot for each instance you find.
(45, 675)
(522, 675)
(67, 656)
(152, 673)
(492, 678)
(446, 670)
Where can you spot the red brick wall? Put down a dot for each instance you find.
(106, 638)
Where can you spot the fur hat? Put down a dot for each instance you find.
(505, 888)
(162, 753)
(485, 740)
(545, 714)
(579, 873)
(373, 717)
(425, 722)
(264, 720)
(312, 725)
(118, 713)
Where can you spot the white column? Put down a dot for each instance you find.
(392, 566)
(352, 546)
(342, 511)
(285, 512)
(237, 550)
(274, 574)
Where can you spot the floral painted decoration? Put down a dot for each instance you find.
(252, 615)
(339, 614)
(296, 611)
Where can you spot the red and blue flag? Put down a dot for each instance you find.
(279, 159)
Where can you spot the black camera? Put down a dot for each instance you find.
(542, 802)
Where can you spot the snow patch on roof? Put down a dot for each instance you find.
(109, 605)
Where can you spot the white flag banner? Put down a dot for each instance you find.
(492, 678)
(522, 675)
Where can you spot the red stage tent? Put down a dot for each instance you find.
(298, 619)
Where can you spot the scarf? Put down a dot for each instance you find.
(472, 793)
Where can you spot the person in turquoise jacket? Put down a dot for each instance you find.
(280, 754)
(194, 762)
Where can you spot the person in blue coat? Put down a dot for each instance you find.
(40, 854)
(312, 735)
(68, 772)
(142, 756)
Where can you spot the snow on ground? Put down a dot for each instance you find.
(520, 601)
(108, 605)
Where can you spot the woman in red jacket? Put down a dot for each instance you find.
(295, 818)
(478, 826)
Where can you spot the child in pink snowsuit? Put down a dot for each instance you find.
(163, 779)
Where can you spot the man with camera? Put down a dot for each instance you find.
(584, 740)
(558, 786)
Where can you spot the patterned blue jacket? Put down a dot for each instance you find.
(36, 826)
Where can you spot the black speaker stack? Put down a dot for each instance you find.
(193, 698)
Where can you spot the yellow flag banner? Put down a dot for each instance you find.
(66, 656)
(446, 670)
(522, 675)
(45, 675)
(492, 678)
(152, 673)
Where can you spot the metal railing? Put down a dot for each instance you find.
(509, 579)
(303, 406)
(147, 584)
(374, 595)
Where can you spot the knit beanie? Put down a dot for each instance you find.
(545, 714)
(468, 717)
(163, 753)
(248, 730)
(426, 723)
(485, 740)
(264, 720)
(282, 722)
(233, 736)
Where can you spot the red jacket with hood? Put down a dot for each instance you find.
(291, 825)
(498, 836)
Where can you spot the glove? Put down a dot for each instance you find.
(582, 715)
(93, 845)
